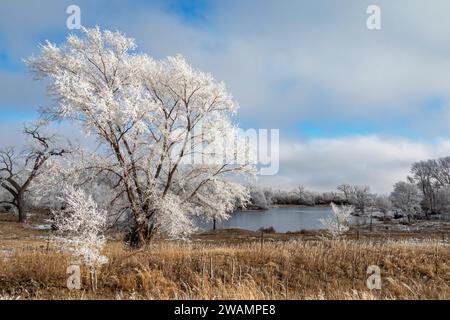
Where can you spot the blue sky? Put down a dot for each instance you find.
(310, 68)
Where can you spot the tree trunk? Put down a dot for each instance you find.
(21, 207)
(214, 224)
(141, 234)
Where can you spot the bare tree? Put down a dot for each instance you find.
(359, 196)
(346, 190)
(422, 175)
(18, 170)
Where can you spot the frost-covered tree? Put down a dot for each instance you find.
(346, 190)
(361, 198)
(384, 204)
(258, 198)
(79, 227)
(48, 187)
(18, 170)
(357, 195)
(422, 175)
(442, 200)
(406, 198)
(4, 199)
(432, 177)
(338, 223)
(305, 197)
(160, 125)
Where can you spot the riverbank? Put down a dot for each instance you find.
(38, 227)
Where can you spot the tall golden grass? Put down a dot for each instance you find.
(280, 270)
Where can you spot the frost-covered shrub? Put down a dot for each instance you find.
(80, 226)
(338, 223)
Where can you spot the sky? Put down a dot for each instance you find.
(352, 105)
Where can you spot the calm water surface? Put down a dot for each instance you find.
(282, 219)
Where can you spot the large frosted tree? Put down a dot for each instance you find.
(160, 124)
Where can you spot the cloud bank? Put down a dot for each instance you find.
(382, 95)
(323, 164)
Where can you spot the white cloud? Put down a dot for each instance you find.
(323, 164)
(290, 62)
(306, 60)
(284, 63)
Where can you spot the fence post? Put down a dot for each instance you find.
(262, 240)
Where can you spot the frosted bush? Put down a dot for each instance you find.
(338, 223)
(80, 225)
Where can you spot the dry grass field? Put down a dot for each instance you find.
(214, 267)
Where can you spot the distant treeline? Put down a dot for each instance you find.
(262, 198)
(425, 192)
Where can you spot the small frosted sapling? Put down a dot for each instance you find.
(79, 228)
(338, 223)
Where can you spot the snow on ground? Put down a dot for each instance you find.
(41, 226)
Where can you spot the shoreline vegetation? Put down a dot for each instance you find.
(404, 203)
(376, 214)
(233, 264)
